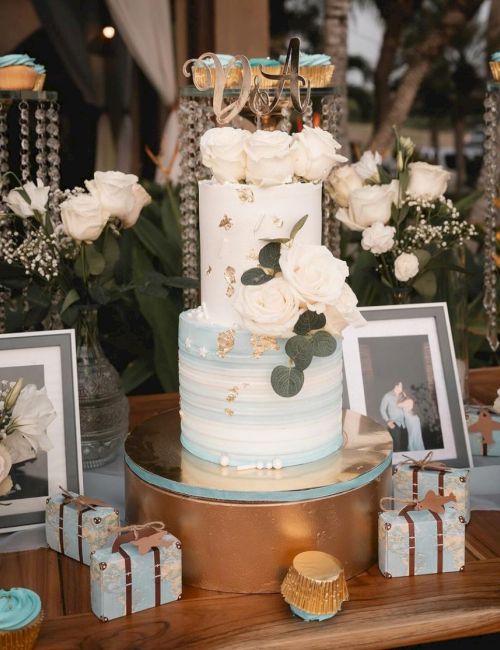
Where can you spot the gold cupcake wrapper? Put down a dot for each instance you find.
(39, 82)
(495, 70)
(22, 639)
(319, 75)
(314, 596)
(17, 77)
(233, 76)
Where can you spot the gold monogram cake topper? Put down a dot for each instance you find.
(259, 101)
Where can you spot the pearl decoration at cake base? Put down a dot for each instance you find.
(241, 528)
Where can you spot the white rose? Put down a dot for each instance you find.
(367, 166)
(114, 192)
(269, 158)
(378, 238)
(427, 181)
(83, 217)
(31, 415)
(406, 267)
(38, 195)
(341, 182)
(315, 153)
(343, 313)
(315, 274)
(223, 152)
(270, 309)
(141, 200)
(367, 205)
(5, 465)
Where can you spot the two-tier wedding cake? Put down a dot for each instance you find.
(260, 362)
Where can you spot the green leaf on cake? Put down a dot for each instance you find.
(298, 226)
(300, 350)
(308, 321)
(287, 382)
(323, 344)
(255, 276)
(269, 256)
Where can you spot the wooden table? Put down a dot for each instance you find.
(381, 613)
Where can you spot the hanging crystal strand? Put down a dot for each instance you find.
(307, 116)
(4, 151)
(490, 218)
(24, 140)
(41, 143)
(286, 113)
(331, 227)
(53, 159)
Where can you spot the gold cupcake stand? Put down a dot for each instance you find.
(241, 529)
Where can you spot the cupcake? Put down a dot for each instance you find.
(316, 68)
(315, 586)
(18, 72)
(268, 65)
(233, 74)
(20, 619)
(495, 65)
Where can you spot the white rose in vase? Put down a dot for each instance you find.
(38, 195)
(378, 238)
(270, 309)
(315, 153)
(83, 217)
(141, 200)
(223, 152)
(114, 192)
(314, 273)
(427, 181)
(343, 313)
(367, 166)
(5, 466)
(269, 158)
(341, 182)
(406, 267)
(367, 205)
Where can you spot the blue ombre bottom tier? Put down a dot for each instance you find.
(230, 413)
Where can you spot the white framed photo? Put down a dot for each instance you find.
(400, 370)
(39, 424)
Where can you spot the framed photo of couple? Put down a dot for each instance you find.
(400, 370)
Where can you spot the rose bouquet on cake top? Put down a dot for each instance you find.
(405, 222)
(25, 414)
(63, 249)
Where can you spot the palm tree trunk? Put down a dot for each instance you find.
(335, 44)
(454, 18)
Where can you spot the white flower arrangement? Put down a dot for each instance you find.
(267, 158)
(405, 222)
(25, 414)
(298, 292)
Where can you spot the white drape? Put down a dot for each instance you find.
(146, 28)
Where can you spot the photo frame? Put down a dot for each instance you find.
(400, 370)
(46, 362)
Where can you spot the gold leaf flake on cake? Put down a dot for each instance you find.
(261, 344)
(226, 222)
(232, 394)
(278, 222)
(230, 278)
(245, 195)
(225, 343)
(208, 271)
(229, 411)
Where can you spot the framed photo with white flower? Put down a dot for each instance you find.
(400, 370)
(39, 424)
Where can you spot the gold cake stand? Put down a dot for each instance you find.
(240, 530)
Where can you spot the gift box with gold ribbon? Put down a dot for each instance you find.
(142, 569)
(421, 539)
(412, 479)
(77, 525)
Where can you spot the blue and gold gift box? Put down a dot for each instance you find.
(77, 525)
(412, 479)
(420, 541)
(142, 569)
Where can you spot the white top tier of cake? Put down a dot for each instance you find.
(234, 221)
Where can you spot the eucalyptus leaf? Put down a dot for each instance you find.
(255, 276)
(423, 257)
(308, 321)
(71, 297)
(287, 382)
(300, 350)
(269, 256)
(323, 344)
(298, 226)
(94, 260)
(426, 285)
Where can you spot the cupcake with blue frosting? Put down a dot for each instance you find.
(495, 65)
(233, 73)
(20, 72)
(270, 66)
(20, 618)
(316, 68)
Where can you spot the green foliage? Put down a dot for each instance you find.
(269, 256)
(300, 351)
(287, 382)
(323, 344)
(309, 320)
(256, 276)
